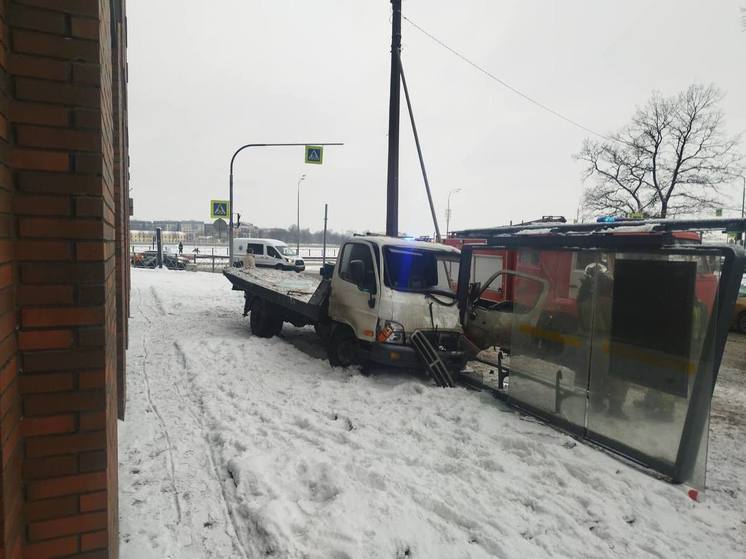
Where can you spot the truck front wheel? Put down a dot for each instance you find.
(264, 323)
(342, 347)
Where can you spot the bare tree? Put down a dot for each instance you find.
(620, 176)
(673, 158)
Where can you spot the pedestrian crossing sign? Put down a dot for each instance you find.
(219, 209)
(315, 154)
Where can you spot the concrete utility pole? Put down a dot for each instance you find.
(392, 185)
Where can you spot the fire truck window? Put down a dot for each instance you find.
(584, 258)
(484, 267)
(528, 257)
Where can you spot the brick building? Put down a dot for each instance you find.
(64, 285)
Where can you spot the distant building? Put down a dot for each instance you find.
(192, 230)
(141, 225)
(246, 230)
(148, 237)
(166, 225)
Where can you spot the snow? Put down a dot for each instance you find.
(237, 446)
(645, 228)
(298, 286)
(537, 231)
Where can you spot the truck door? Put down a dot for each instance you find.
(355, 289)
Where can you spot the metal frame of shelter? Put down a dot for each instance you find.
(648, 237)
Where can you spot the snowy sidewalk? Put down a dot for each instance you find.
(236, 446)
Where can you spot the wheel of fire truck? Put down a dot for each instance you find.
(264, 323)
(342, 346)
(741, 324)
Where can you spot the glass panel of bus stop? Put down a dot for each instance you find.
(650, 322)
(550, 340)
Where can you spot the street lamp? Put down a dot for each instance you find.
(448, 209)
(297, 223)
(230, 180)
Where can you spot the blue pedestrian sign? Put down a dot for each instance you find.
(315, 154)
(219, 209)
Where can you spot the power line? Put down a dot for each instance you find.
(506, 84)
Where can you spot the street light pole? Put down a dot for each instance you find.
(230, 182)
(297, 221)
(448, 209)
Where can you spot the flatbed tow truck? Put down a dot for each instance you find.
(387, 301)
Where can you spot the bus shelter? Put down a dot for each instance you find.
(613, 332)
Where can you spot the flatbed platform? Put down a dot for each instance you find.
(301, 295)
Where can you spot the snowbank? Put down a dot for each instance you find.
(236, 446)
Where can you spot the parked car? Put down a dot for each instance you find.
(269, 253)
(739, 311)
(149, 259)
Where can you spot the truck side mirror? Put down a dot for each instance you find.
(357, 272)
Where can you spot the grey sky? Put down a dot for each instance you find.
(206, 76)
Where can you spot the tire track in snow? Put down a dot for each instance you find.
(227, 495)
(149, 395)
(227, 488)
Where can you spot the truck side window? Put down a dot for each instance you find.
(358, 251)
(273, 253)
(254, 248)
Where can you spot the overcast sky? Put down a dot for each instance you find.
(206, 76)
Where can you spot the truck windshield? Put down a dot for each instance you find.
(286, 251)
(408, 269)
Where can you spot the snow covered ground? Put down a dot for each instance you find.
(237, 446)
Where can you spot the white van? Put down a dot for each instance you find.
(270, 253)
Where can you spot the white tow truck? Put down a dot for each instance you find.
(387, 301)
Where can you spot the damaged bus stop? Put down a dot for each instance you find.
(613, 332)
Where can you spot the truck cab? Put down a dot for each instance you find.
(384, 289)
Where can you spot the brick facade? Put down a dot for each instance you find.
(64, 275)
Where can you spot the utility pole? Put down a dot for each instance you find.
(419, 153)
(392, 184)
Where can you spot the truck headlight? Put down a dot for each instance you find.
(391, 333)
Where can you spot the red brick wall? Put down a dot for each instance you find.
(11, 503)
(63, 274)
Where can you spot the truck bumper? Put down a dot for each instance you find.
(405, 357)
